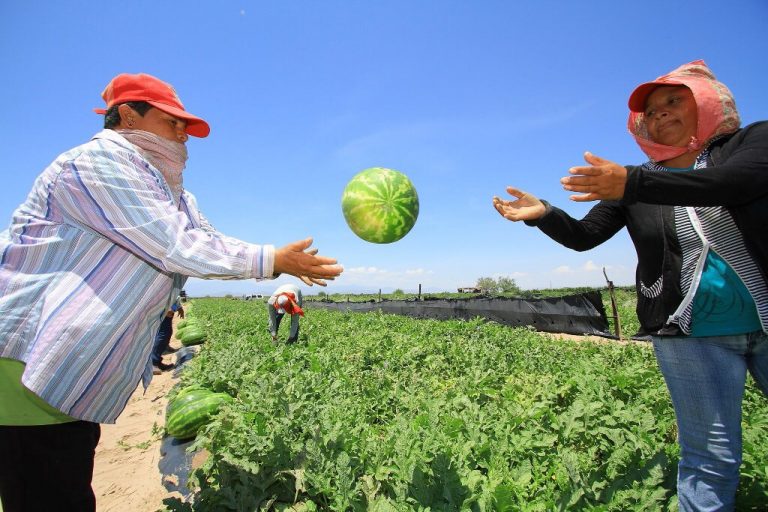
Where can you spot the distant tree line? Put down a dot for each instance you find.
(503, 284)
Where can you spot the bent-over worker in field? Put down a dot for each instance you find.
(286, 299)
(696, 213)
(93, 259)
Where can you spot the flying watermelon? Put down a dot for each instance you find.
(380, 205)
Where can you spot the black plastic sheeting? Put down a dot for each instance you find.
(175, 461)
(572, 314)
(176, 465)
(183, 355)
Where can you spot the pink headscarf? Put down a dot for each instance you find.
(715, 105)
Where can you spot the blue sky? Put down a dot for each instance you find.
(465, 97)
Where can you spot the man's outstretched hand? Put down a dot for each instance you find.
(299, 259)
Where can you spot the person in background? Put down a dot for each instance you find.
(163, 338)
(696, 213)
(286, 299)
(92, 260)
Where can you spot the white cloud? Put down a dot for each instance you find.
(374, 278)
(590, 266)
(513, 275)
(418, 272)
(365, 270)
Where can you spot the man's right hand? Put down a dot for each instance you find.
(299, 260)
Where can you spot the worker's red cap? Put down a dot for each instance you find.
(142, 87)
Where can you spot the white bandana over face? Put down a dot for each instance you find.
(167, 156)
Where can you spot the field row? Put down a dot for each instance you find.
(380, 412)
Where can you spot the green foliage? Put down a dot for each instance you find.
(381, 412)
(487, 284)
(503, 284)
(507, 285)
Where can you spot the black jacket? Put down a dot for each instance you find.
(736, 178)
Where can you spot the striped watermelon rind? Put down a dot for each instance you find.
(380, 205)
(187, 322)
(192, 336)
(193, 411)
(185, 395)
(181, 329)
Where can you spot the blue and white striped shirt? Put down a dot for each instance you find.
(91, 262)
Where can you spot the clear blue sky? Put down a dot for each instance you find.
(465, 97)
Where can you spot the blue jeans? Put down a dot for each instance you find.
(162, 340)
(706, 377)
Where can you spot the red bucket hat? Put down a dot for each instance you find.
(716, 108)
(161, 95)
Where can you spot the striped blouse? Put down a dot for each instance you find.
(92, 260)
(703, 229)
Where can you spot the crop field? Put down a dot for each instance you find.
(387, 413)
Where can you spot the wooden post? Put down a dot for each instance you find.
(616, 321)
(419, 291)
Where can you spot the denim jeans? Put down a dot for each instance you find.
(162, 340)
(706, 377)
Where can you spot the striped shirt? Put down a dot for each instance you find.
(91, 262)
(703, 229)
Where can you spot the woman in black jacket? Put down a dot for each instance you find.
(697, 214)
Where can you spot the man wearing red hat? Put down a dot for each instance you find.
(92, 260)
(286, 299)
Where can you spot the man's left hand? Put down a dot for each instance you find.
(602, 179)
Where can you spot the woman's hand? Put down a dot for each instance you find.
(525, 207)
(298, 259)
(602, 179)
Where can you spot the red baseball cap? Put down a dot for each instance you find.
(161, 95)
(640, 94)
(695, 75)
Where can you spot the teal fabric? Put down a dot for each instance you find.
(722, 304)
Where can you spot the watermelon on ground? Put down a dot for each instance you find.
(185, 395)
(179, 332)
(192, 336)
(194, 410)
(186, 322)
(380, 205)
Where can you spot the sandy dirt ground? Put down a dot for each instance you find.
(126, 477)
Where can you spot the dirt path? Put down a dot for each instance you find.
(126, 477)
